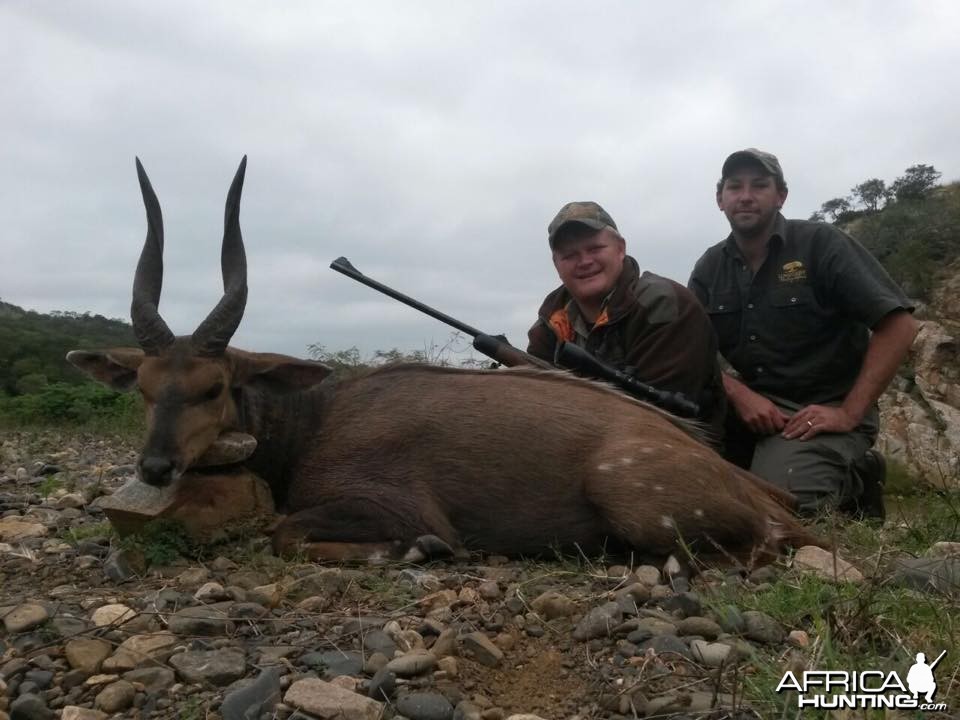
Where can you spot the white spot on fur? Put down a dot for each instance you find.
(647, 450)
(698, 513)
(377, 558)
(666, 521)
(626, 461)
(658, 487)
(604, 467)
(668, 446)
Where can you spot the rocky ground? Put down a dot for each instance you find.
(96, 627)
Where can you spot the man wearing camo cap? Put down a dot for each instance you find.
(643, 324)
(814, 329)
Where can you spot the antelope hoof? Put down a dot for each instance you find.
(428, 547)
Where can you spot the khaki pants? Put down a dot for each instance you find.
(818, 472)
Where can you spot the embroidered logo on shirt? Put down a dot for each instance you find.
(793, 271)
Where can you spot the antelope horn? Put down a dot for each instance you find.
(213, 334)
(151, 331)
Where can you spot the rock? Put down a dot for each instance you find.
(685, 604)
(193, 577)
(648, 575)
(217, 667)
(87, 654)
(75, 712)
(211, 592)
(446, 643)
(248, 703)
(945, 549)
(425, 706)
(123, 565)
(204, 620)
(326, 700)
(449, 666)
(30, 707)
(480, 647)
(551, 605)
(152, 678)
(113, 614)
(382, 685)
(798, 638)
(25, 617)
(710, 654)
(730, 618)
(760, 627)
(662, 644)
(115, 697)
(415, 662)
(656, 627)
(599, 622)
(826, 565)
(140, 650)
(228, 449)
(13, 529)
(929, 574)
(489, 590)
(335, 662)
(208, 506)
(704, 627)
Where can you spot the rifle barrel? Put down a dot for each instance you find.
(342, 265)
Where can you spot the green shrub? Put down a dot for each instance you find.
(65, 404)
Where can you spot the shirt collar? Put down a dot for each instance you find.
(777, 238)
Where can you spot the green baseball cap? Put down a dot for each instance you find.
(752, 156)
(584, 213)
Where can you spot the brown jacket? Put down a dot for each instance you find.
(650, 327)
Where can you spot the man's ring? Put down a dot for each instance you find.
(810, 424)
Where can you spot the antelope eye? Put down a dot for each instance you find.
(214, 392)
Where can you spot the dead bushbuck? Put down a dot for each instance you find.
(515, 462)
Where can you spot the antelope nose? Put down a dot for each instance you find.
(156, 470)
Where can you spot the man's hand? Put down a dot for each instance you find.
(815, 419)
(757, 413)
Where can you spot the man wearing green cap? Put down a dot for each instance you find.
(643, 324)
(815, 330)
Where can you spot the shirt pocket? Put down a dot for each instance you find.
(794, 315)
(724, 310)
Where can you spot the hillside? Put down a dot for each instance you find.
(33, 345)
(915, 239)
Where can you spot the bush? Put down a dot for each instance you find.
(63, 403)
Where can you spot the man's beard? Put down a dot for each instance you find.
(758, 226)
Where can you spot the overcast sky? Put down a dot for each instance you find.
(431, 143)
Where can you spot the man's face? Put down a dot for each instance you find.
(588, 262)
(750, 199)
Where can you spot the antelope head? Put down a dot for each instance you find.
(188, 383)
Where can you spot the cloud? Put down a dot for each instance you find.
(430, 143)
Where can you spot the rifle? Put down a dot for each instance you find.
(570, 356)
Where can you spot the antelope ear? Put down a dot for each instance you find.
(116, 368)
(279, 372)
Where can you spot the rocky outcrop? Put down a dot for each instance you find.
(920, 412)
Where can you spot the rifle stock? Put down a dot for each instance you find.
(497, 348)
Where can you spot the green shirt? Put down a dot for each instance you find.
(797, 328)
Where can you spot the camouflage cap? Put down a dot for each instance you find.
(584, 213)
(752, 156)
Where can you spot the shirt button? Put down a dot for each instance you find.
(753, 337)
(793, 300)
(719, 307)
(750, 306)
(759, 370)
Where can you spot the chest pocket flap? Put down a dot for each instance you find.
(791, 296)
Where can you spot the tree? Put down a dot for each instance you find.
(915, 182)
(870, 193)
(835, 207)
